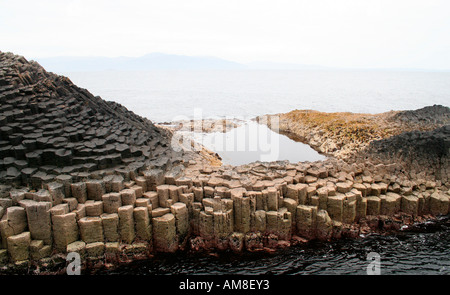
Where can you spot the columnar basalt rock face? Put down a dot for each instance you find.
(91, 229)
(224, 216)
(142, 223)
(164, 233)
(246, 211)
(39, 220)
(111, 202)
(439, 203)
(143, 203)
(306, 220)
(19, 246)
(179, 210)
(54, 134)
(110, 224)
(79, 191)
(14, 222)
(65, 230)
(126, 224)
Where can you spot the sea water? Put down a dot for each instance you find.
(166, 96)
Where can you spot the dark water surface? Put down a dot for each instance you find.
(422, 249)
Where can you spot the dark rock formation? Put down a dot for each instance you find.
(436, 114)
(101, 181)
(418, 151)
(50, 127)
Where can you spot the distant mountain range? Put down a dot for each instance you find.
(162, 61)
(156, 61)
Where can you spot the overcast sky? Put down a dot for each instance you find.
(345, 33)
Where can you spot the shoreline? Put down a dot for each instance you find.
(203, 125)
(416, 140)
(57, 265)
(212, 225)
(345, 134)
(107, 183)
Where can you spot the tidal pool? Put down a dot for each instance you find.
(253, 142)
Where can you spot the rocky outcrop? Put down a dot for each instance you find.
(72, 165)
(342, 135)
(87, 176)
(204, 125)
(418, 141)
(52, 130)
(256, 207)
(421, 154)
(425, 118)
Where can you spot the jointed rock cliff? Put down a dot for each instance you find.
(87, 176)
(50, 127)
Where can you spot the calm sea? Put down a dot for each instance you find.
(164, 96)
(170, 95)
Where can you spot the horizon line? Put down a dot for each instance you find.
(249, 63)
